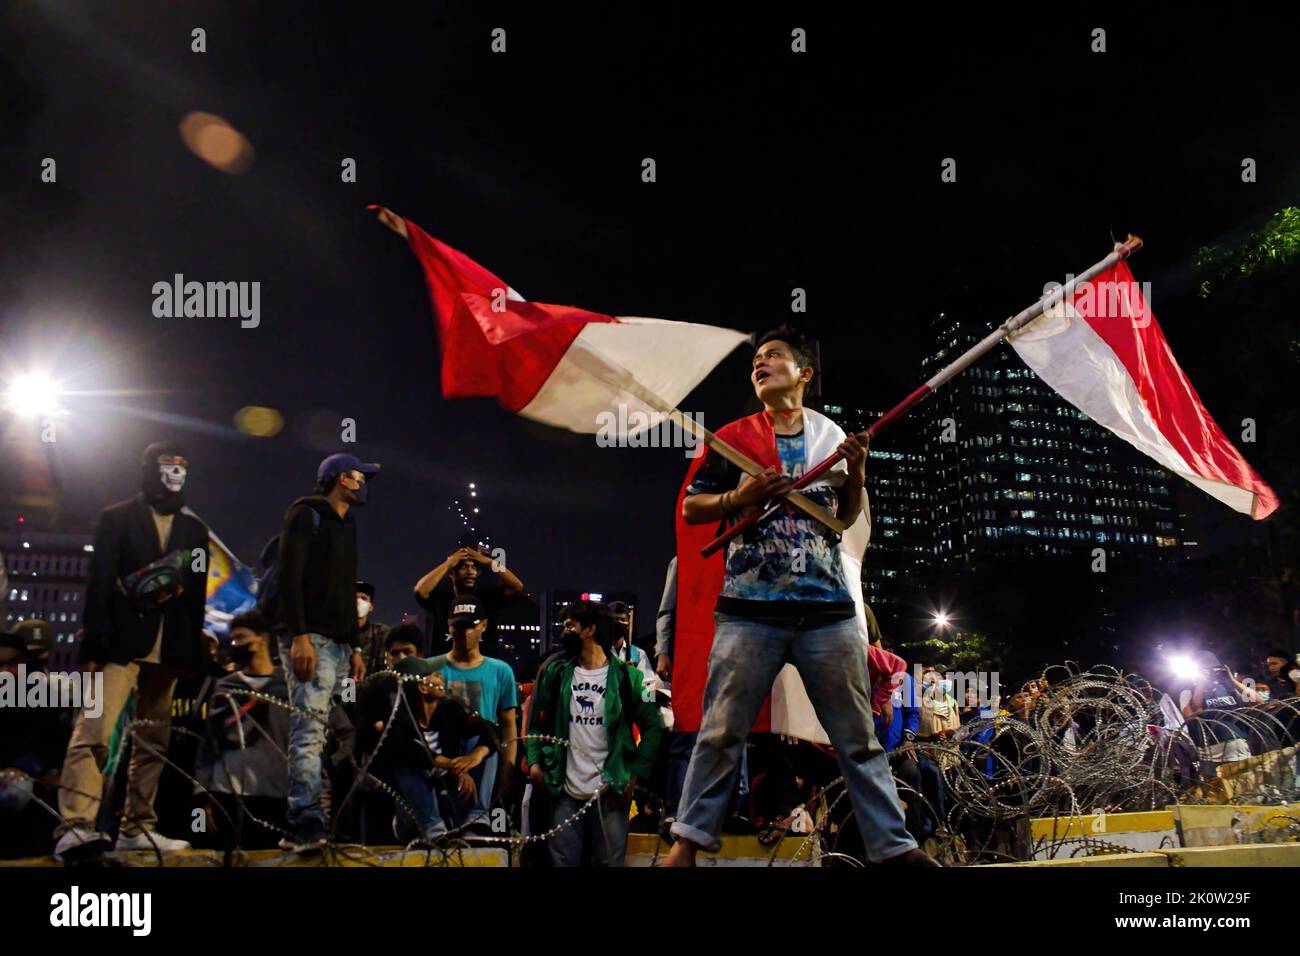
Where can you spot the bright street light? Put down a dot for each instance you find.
(941, 619)
(33, 394)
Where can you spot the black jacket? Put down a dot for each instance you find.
(318, 571)
(404, 744)
(125, 541)
(246, 739)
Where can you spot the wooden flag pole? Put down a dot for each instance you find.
(1014, 324)
(613, 374)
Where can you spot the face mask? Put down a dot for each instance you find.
(363, 609)
(359, 495)
(173, 476)
(163, 478)
(241, 654)
(945, 687)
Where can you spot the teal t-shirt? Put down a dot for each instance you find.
(486, 689)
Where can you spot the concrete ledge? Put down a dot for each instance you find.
(736, 851)
(1256, 854)
(1224, 825)
(1147, 859)
(347, 856)
(1252, 854)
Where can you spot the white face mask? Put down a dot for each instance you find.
(363, 608)
(173, 476)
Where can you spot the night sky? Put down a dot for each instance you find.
(775, 170)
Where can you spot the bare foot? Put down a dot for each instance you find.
(682, 854)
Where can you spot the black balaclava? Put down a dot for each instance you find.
(163, 485)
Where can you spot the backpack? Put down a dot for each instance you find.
(268, 578)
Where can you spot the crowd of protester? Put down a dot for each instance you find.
(315, 722)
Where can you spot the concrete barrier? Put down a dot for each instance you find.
(1052, 838)
(736, 851)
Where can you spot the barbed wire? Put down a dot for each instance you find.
(1089, 742)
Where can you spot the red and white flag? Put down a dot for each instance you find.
(1102, 350)
(559, 364)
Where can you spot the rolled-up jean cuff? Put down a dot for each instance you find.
(707, 843)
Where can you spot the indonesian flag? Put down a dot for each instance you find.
(557, 364)
(1102, 350)
(787, 709)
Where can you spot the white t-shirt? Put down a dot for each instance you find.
(431, 738)
(588, 739)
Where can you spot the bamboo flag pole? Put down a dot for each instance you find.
(1018, 321)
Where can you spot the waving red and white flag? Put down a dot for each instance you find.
(1102, 350)
(557, 364)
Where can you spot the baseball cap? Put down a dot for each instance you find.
(36, 634)
(366, 588)
(466, 609)
(417, 666)
(337, 464)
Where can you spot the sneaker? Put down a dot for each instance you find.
(307, 836)
(148, 840)
(475, 832)
(80, 843)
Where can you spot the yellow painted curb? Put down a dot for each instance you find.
(1254, 854)
(345, 857)
(733, 847)
(1057, 828)
(1251, 854)
(1148, 859)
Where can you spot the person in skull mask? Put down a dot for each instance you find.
(320, 645)
(143, 629)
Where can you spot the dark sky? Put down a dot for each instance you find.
(774, 171)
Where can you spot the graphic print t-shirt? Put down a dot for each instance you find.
(486, 689)
(789, 565)
(588, 741)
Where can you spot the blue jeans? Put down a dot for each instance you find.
(485, 779)
(420, 786)
(832, 660)
(306, 734)
(417, 788)
(680, 747)
(601, 831)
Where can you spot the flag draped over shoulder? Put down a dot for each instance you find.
(232, 589)
(1103, 351)
(558, 364)
(699, 582)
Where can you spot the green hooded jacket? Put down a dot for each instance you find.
(551, 701)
